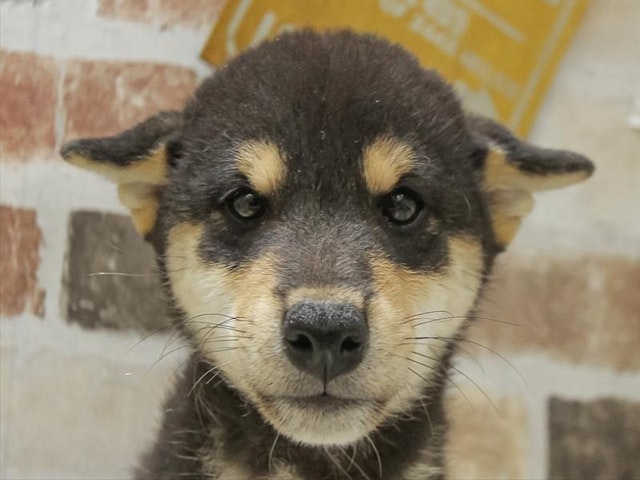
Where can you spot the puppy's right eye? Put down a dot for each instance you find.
(402, 206)
(245, 204)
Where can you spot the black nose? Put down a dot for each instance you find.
(325, 339)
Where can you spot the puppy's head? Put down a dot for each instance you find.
(326, 215)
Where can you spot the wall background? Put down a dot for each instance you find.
(82, 375)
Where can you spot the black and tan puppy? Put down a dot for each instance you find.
(325, 216)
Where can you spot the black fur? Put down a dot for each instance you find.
(321, 98)
(130, 145)
(249, 441)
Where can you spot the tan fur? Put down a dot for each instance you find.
(203, 291)
(412, 304)
(508, 208)
(262, 164)
(246, 303)
(152, 169)
(499, 173)
(137, 184)
(510, 192)
(384, 162)
(142, 202)
(245, 300)
(421, 472)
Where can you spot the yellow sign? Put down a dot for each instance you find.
(499, 54)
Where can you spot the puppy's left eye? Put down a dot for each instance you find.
(402, 206)
(244, 204)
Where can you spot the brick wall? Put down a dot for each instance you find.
(84, 367)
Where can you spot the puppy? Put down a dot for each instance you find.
(324, 216)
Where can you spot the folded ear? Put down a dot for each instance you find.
(512, 170)
(136, 160)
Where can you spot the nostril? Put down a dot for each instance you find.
(325, 339)
(301, 342)
(349, 344)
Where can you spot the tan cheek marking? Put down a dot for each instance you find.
(262, 164)
(409, 289)
(199, 288)
(401, 293)
(327, 293)
(254, 290)
(401, 286)
(198, 285)
(259, 311)
(384, 162)
(242, 300)
(152, 169)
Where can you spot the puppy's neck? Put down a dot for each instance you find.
(210, 428)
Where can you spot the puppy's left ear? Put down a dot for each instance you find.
(512, 170)
(136, 160)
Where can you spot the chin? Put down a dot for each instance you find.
(322, 420)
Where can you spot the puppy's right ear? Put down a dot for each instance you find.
(136, 160)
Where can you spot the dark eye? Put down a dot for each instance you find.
(402, 206)
(245, 204)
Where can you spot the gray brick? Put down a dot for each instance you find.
(111, 276)
(599, 439)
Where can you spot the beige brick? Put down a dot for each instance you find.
(597, 439)
(28, 85)
(103, 98)
(164, 13)
(20, 239)
(81, 416)
(584, 310)
(485, 443)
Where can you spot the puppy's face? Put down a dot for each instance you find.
(327, 215)
(328, 301)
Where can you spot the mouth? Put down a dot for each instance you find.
(322, 419)
(326, 402)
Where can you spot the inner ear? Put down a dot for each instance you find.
(512, 170)
(137, 160)
(534, 169)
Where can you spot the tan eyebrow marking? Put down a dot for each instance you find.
(263, 165)
(384, 162)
